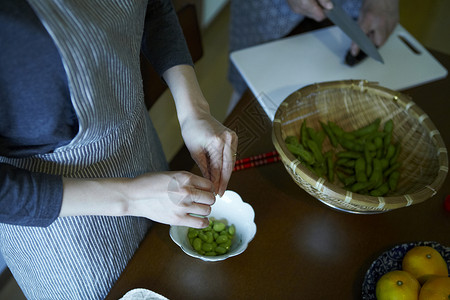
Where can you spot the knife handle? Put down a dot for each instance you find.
(354, 60)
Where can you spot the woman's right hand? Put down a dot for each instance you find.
(174, 198)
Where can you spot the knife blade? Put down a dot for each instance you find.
(340, 18)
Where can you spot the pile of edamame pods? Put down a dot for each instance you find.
(216, 239)
(365, 160)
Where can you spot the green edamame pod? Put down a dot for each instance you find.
(370, 128)
(360, 170)
(316, 136)
(292, 140)
(359, 186)
(346, 162)
(298, 150)
(338, 131)
(381, 191)
(307, 157)
(370, 146)
(312, 145)
(349, 154)
(377, 172)
(304, 134)
(347, 171)
(384, 163)
(378, 142)
(390, 152)
(379, 153)
(320, 137)
(330, 166)
(368, 157)
(393, 180)
(349, 180)
(372, 136)
(348, 136)
(396, 154)
(330, 134)
(320, 169)
(391, 169)
(345, 179)
(350, 145)
(341, 176)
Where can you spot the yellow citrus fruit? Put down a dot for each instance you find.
(423, 262)
(398, 285)
(435, 288)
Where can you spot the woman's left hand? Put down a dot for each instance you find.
(213, 147)
(211, 144)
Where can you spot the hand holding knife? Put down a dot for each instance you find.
(338, 16)
(377, 19)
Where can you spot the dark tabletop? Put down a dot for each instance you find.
(302, 248)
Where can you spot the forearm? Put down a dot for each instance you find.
(94, 197)
(166, 197)
(188, 97)
(212, 145)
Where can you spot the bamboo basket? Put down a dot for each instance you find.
(352, 104)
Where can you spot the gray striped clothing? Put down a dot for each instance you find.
(82, 257)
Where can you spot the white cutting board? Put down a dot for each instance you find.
(276, 69)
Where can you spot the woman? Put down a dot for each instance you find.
(82, 171)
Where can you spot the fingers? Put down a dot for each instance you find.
(196, 205)
(354, 49)
(194, 222)
(202, 162)
(327, 4)
(378, 19)
(221, 151)
(229, 159)
(214, 151)
(310, 8)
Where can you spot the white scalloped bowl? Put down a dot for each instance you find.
(233, 210)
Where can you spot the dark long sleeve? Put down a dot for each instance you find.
(36, 115)
(34, 197)
(163, 42)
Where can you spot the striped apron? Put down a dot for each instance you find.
(81, 257)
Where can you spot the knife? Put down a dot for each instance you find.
(340, 18)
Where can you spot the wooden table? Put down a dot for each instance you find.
(302, 249)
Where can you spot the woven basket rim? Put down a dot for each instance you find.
(339, 194)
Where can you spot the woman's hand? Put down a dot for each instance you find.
(174, 198)
(377, 19)
(311, 8)
(212, 145)
(213, 148)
